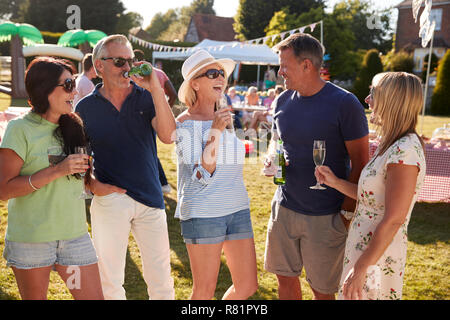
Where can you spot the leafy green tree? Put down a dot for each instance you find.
(174, 23)
(370, 27)
(433, 66)
(202, 6)
(440, 101)
(253, 16)
(399, 61)
(161, 22)
(370, 67)
(12, 10)
(50, 15)
(127, 21)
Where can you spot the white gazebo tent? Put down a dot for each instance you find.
(254, 54)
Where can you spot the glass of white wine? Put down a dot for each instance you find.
(82, 150)
(319, 151)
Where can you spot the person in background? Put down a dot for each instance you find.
(170, 92)
(84, 80)
(251, 99)
(46, 218)
(235, 100)
(270, 78)
(213, 204)
(122, 118)
(375, 252)
(263, 116)
(308, 228)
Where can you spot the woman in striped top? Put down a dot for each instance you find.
(213, 204)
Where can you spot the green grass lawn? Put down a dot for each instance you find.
(427, 274)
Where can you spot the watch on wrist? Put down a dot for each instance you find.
(347, 214)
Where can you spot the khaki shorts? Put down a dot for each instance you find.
(297, 240)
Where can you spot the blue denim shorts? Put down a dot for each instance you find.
(235, 226)
(74, 252)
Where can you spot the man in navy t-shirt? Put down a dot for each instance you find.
(122, 119)
(308, 227)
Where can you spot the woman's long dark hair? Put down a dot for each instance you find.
(41, 78)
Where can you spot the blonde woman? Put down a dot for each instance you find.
(251, 99)
(375, 254)
(213, 204)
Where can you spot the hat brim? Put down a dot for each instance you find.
(227, 65)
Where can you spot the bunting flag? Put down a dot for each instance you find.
(263, 40)
(426, 26)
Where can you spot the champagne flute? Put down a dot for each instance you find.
(84, 194)
(319, 158)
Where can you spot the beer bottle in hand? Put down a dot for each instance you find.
(280, 176)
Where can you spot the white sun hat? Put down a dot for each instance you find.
(196, 62)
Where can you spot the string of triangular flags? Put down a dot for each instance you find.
(426, 26)
(160, 47)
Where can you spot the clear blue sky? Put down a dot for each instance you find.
(223, 8)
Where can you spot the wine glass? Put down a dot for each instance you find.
(84, 194)
(319, 158)
(223, 103)
(55, 155)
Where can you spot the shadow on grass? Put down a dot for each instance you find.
(135, 286)
(429, 223)
(184, 270)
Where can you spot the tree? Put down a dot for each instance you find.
(440, 101)
(371, 66)
(50, 15)
(161, 22)
(253, 16)
(338, 38)
(12, 10)
(370, 27)
(127, 21)
(433, 66)
(174, 23)
(399, 61)
(202, 6)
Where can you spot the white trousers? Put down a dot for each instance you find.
(112, 218)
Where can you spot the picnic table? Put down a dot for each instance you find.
(436, 187)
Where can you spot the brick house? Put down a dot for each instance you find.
(407, 35)
(209, 26)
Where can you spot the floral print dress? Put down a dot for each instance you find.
(385, 279)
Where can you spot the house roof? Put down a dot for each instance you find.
(213, 27)
(140, 33)
(408, 3)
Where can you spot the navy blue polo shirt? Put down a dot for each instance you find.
(334, 115)
(124, 143)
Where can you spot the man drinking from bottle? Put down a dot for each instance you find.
(122, 117)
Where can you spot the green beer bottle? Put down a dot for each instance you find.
(143, 70)
(280, 176)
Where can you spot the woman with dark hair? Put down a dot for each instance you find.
(46, 218)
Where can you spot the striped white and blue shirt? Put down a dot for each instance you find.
(216, 195)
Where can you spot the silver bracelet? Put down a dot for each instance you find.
(29, 181)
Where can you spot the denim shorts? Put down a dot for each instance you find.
(74, 252)
(235, 226)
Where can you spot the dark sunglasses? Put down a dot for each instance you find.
(120, 62)
(68, 85)
(212, 74)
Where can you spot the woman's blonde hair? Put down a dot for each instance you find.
(397, 102)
